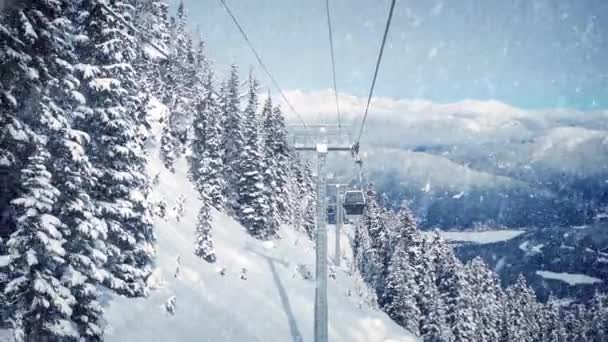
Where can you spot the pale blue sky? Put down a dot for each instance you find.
(527, 53)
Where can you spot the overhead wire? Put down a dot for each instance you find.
(333, 62)
(371, 90)
(134, 30)
(261, 62)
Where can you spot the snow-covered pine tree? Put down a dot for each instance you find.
(303, 196)
(152, 20)
(204, 241)
(41, 305)
(278, 154)
(457, 295)
(44, 108)
(34, 41)
(433, 325)
(294, 215)
(180, 77)
(232, 139)
(598, 317)
(4, 305)
(254, 210)
(401, 290)
(487, 300)
(275, 182)
(552, 328)
(168, 147)
(520, 316)
(85, 247)
(405, 231)
(576, 322)
(73, 178)
(206, 162)
(19, 80)
(110, 87)
(371, 241)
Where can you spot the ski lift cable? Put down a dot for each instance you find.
(132, 28)
(371, 91)
(333, 62)
(144, 38)
(261, 62)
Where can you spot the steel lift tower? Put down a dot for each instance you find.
(321, 133)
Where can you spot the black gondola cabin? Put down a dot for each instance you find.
(354, 202)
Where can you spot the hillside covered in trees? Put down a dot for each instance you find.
(77, 221)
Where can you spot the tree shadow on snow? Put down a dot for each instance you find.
(293, 324)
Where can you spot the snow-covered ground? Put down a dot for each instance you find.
(273, 303)
(4, 260)
(569, 278)
(531, 249)
(481, 237)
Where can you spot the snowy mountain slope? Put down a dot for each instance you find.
(542, 163)
(274, 303)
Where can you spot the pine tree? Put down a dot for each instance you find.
(152, 19)
(41, 305)
(456, 293)
(85, 248)
(598, 317)
(4, 305)
(180, 78)
(553, 329)
(36, 42)
(487, 299)
(402, 290)
(278, 155)
(206, 161)
(372, 242)
(168, 147)
(232, 139)
(405, 230)
(110, 87)
(273, 191)
(363, 254)
(19, 81)
(576, 321)
(519, 316)
(204, 242)
(433, 325)
(253, 211)
(303, 199)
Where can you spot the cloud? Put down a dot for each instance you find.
(422, 121)
(490, 135)
(472, 160)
